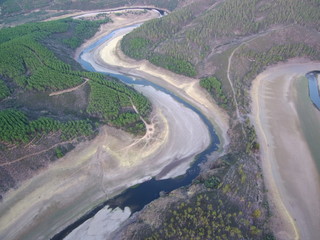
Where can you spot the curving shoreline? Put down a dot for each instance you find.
(100, 169)
(289, 168)
(110, 54)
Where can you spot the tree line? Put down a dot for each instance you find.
(25, 60)
(185, 34)
(17, 128)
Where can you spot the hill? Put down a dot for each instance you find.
(13, 12)
(47, 106)
(196, 40)
(225, 44)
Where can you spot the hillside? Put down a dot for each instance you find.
(225, 44)
(13, 12)
(196, 40)
(48, 106)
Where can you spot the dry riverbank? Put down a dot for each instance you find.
(99, 169)
(288, 166)
(109, 55)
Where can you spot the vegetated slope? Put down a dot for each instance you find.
(21, 11)
(36, 128)
(193, 33)
(223, 41)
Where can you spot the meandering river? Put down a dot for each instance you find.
(139, 196)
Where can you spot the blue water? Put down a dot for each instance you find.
(314, 88)
(136, 198)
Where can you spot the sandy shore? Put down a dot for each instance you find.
(288, 165)
(110, 56)
(102, 168)
(118, 22)
(101, 225)
(99, 169)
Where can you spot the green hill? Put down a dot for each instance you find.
(191, 36)
(35, 119)
(197, 40)
(13, 12)
(220, 42)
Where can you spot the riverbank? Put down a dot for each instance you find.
(109, 55)
(288, 166)
(102, 168)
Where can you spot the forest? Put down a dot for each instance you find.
(28, 65)
(113, 102)
(17, 11)
(277, 54)
(17, 128)
(205, 216)
(214, 87)
(82, 30)
(190, 37)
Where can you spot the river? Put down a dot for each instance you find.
(137, 197)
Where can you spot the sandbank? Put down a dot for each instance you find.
(288, 166)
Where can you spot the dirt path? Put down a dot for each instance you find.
(33, 154)
(230, 82)
(69, 89)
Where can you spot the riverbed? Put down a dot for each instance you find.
(102, 168)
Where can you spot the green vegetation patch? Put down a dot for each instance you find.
(277, 54)
(136, 48)
(4, 90)
(25, 60)
(31, 65)
(81, 30)
(114, 102)
(214, 87)
(177, 65)
(205, 216)
(16, 128)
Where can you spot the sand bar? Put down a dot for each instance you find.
(289, 168)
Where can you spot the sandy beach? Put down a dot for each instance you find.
(289, 168)
(100, 169)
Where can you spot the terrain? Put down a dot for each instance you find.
(18, 12)
(48, 106)
(226, 44)
(116, 157)
(216, 55)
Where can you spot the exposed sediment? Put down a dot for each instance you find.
(289, 168)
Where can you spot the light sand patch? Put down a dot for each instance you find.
(101, 225)
(288, 166)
